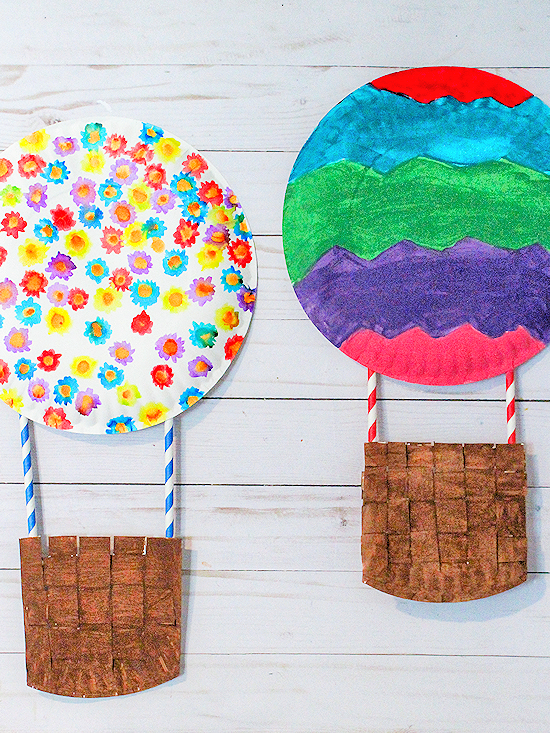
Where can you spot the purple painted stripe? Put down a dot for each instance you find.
(493, 289)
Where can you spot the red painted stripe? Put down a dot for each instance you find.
(464, 84)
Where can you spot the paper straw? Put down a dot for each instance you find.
(371, 415)
(511, 406)
(32, 529)
(169, 477)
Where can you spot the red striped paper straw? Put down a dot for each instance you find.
(511, 406)
(371, 416)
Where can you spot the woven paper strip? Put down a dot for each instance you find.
(444, 522)
(99, 624)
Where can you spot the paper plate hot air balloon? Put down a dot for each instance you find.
(416, 238)
(127, 285)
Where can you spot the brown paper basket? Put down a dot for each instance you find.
(444, 522)
(98, 622)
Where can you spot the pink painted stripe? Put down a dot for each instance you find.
(465, 355)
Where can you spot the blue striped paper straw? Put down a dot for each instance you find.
(169, 477)
(32, 529)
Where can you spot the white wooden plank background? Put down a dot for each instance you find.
(280, 633)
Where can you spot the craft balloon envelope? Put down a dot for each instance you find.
(127, 285)
(415, 235)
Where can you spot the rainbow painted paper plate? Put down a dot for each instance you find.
(127, 276)
(416, 225)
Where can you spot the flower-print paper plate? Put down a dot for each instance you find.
(127, 276)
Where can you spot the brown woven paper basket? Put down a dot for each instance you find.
(101, 623)
(444, 522)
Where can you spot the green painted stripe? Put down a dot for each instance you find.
(431, 203)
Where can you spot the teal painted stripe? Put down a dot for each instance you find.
(381, 130)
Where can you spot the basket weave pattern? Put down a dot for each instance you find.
(444, 522)
(99, 624)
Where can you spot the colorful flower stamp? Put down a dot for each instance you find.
(128, 276)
